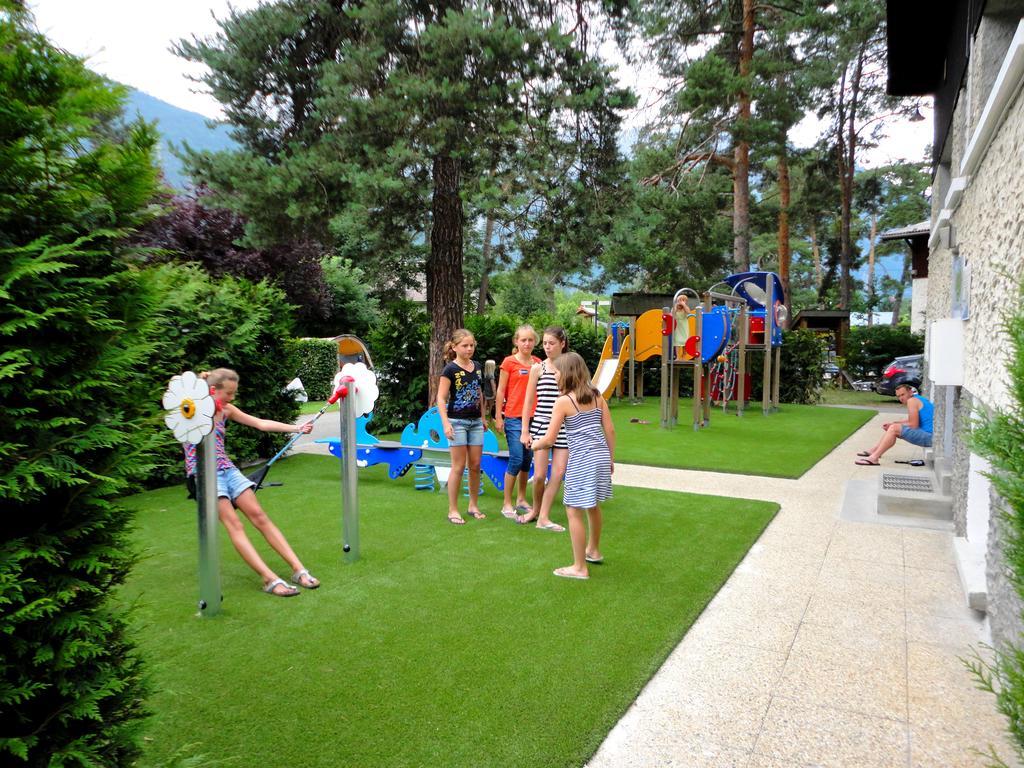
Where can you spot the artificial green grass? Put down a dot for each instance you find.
(783, 444)
(443, 645)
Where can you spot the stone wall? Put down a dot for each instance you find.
(989, 233)
(1004, 604)
(987, 236)
(961, 457)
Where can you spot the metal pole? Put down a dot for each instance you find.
(698, 369)
(741, 383)
(349, 476)
(209, 553)
(777, 372)
(769, 320)
(632, 360)
(666, 367)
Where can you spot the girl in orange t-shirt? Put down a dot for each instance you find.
(508, 417)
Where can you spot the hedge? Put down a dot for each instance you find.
(317, 362)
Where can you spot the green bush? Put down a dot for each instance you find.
(206, 323)
(400, 346)
(77, 423)
(1000, 438)
(869, 349)
(801, 360)
(317, 364)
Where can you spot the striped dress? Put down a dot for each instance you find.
(588, 478)
(547, 393)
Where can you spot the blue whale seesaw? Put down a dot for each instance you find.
(422, 444)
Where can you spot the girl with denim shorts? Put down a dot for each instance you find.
(508, 417)
(460, 402)
(234, 490)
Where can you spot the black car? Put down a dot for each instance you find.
(908, 368)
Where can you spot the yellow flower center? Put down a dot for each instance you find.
(188, 408)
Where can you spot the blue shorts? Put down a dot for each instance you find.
(467, 431)
(519, 456)
(916, 436)
(231, 484)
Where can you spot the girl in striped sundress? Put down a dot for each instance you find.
(541, 393)
(588, 480)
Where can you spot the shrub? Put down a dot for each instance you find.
(206, 323)
(868, 349)
(400, 346)
(76, 421)
(999, 438)
(317, 364)
(802, 362)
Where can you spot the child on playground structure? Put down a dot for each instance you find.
(916, 429)
(541, 393)
(588, 479)
(460, 403)
(508, 417)
(681, 326)
(234, 490)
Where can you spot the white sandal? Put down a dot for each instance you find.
(297, 577)
(291, 590)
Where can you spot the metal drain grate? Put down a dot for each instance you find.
(906, 483)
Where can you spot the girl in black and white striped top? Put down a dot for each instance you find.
(541, 393)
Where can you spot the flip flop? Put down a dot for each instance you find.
(594, 560)
(455, 519)
(476, 514)
(508, 513)
(551, 527)
(565, 573)
(864, 453)
(289, 590)
(525, 519)
(305, 579)
(866, 463)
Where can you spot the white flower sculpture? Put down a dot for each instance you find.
(365, 386)
(190, 407)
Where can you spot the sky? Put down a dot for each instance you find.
(129, 41)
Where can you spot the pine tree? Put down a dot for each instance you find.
(373, 124)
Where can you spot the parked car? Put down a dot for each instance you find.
(909, 366)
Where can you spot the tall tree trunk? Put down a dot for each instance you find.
(847, 148)
(444, 263)
(785, 256)
(485, 276)
(816, 257)
(741, 166)
(905, 278)
(871, 268)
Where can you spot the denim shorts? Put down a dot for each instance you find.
(231, 483)
(519, 456)
(916, 436)
(467, 431)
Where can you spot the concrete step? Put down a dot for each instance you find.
(860, 505)
(913, 494)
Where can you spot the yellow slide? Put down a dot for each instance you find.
(609, 369)
(648, 335)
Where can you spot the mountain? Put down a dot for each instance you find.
(177, 127)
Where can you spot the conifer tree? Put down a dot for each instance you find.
(372, 124)
(73, 329)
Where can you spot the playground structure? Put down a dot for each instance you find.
(721, 331)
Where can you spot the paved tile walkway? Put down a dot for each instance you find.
(833, 643)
